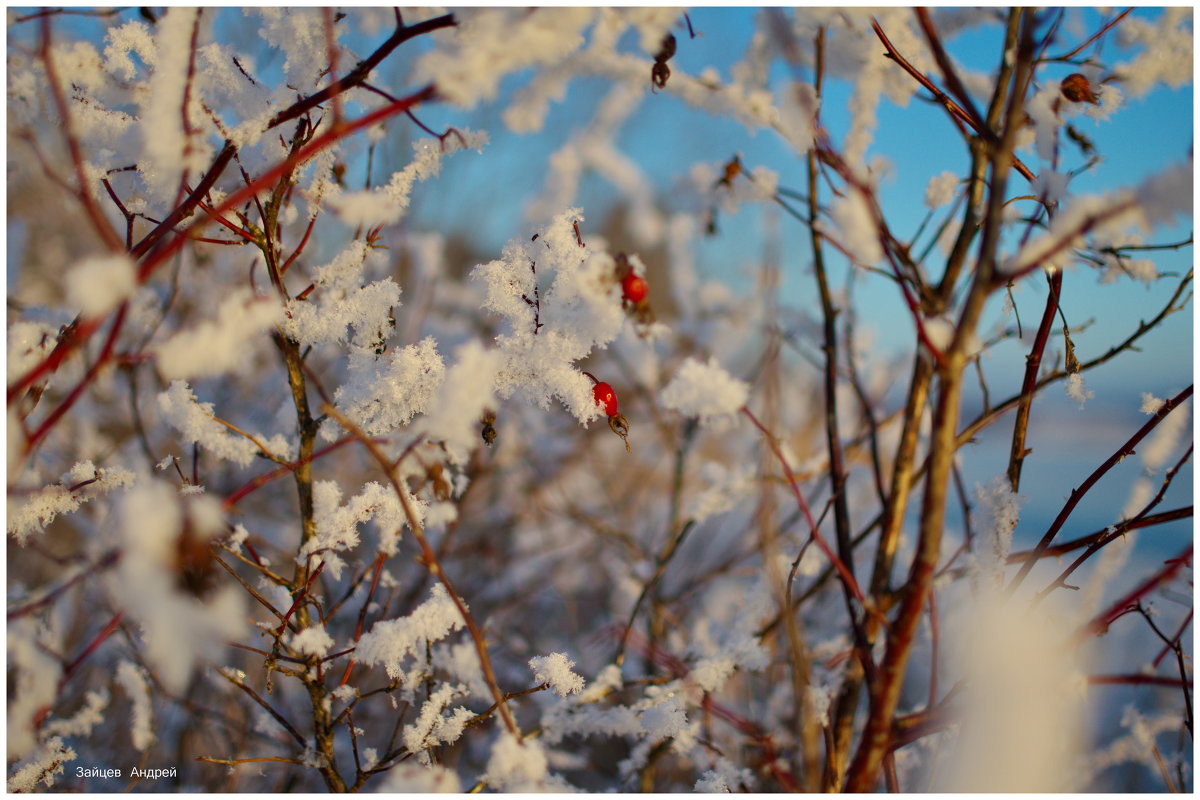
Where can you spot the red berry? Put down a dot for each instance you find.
(634, 288)
(605, 396)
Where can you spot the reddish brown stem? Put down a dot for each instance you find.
(91, 647)
(184, 209)
(1107, 27)
(1100, 623)
(1174, 641)
(299, 598)
(841, 568)
(300, 247)
(36, 437)
(1033, 363)
(434, 566)
(362, 613)
(287, 469)
(1077, 494)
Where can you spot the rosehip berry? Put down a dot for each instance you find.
(1076, 88)
(605, 396)
(634, 288)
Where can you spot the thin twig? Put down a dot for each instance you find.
(431, 563)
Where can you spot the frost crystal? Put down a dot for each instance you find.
(195, 420)
(392, 642)
(1076, 390)
(1003, 509)
(555, 669)
(704, 390)
(1150, 403)
(41, 768)
(42, 506)
(560, 303)
(431, 728)
(133, 680)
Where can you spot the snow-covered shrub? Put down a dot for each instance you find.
(606, 399)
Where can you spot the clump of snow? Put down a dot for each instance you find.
(856, 228)
(726, 487)
(337, 525)
(342, 298)
(555, 670)
(50, 760)
(1001, 510)
(409, 778)
(1166, 436)
(218, 346)
(517, 766)
(84, 720)
(299, 32)
(705, 391)
(384, 392)
(132, 679)
(725, 777)
(312, 641)
(167, 148)
(1166, 54)
(33, 674)
(461, 399)
(387, 204)
(28, 344)
(560, 301)
(98, 285)
(32, 513)
(1076, 390)
(488, 43)
(940, 189)
(392, 642)
(432, 728)
(1023, 706)
(1150, 403)
(1156, 201)
(196, 422)
(178, 628)
(132, 37)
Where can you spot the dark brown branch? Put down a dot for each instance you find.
(362, 70)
